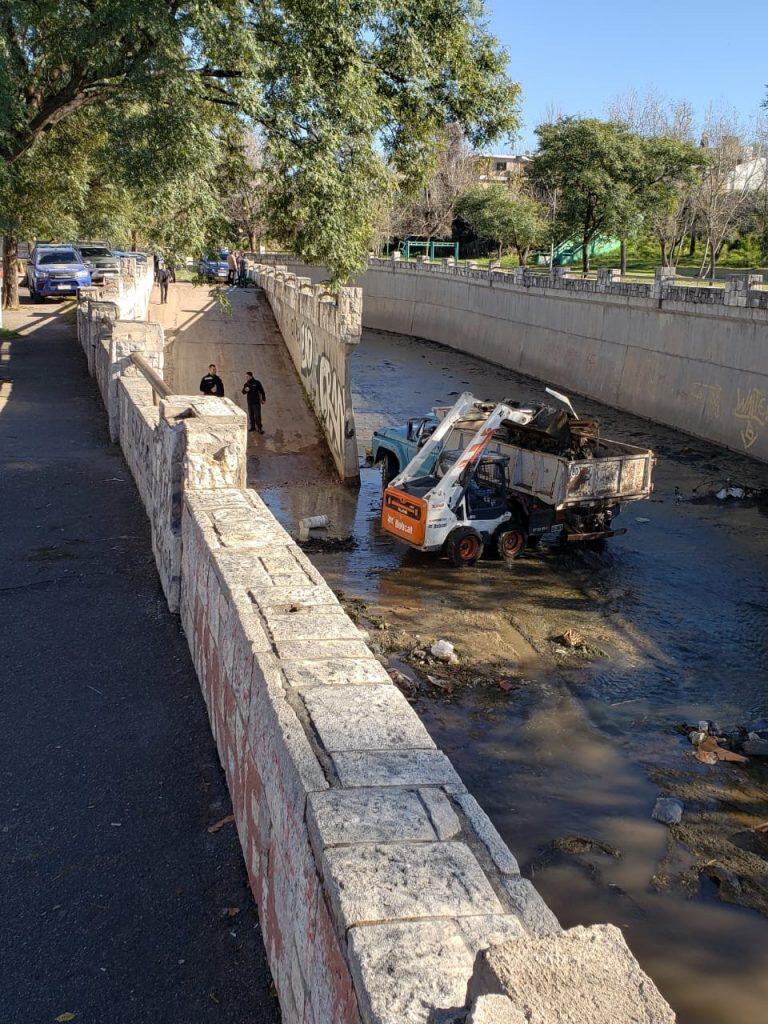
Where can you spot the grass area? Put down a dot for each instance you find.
(5, 333)
(188, 274)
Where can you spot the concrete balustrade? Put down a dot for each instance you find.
(379, 880)
(691, 357)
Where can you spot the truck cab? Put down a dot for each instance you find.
(393, 447)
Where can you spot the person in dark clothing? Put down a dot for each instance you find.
(164, 276)
(212, 384)
(254, 392)
(242, 272)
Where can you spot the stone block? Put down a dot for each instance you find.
(267, 595)
(495, 1009)
(412, 972)
(525, 901)
(394, 768)
(487, 834)
(582, 976)
(332, 997)
(359, 718)
(442, 815)
(343, 816)
(405, 880)
(333, 650)
(346, 672)
(315, 623)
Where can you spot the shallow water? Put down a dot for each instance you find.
(678, 606)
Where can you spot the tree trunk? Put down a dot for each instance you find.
(623, 256)
(704, 260)
(664, 256)
(10, 277)
(134, 240)
(585, 255)
(692, 246)
(251, 241)
(501, 249)
(522, 255)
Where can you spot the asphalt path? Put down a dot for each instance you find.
(118, 902)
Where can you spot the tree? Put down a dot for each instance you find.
(508, 219)
(345, 94)
(430, 212)
(595, 167)
(245, 204)
(607, 177)
(732, 174)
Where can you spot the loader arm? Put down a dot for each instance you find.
(415, 467)
(449, 489)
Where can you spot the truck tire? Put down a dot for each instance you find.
(464, 546)
(511, 542)
(390, 467)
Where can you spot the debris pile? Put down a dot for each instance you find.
(713, 744)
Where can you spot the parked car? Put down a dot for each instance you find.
(140, 257)
(214, 266)
(99, 259)
(56, 271)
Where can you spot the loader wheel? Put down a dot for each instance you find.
(464, 546)
(510, 543)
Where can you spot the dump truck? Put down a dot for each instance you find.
(481, 477)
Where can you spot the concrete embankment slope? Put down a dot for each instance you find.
(379, 879)
(692, 358)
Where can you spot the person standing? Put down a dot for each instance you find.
(212, 384)
(164, 276)
(231, 267)
(254, 392)
(242, 271)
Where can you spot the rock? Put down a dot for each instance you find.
(598, 981)
(444, 650)
(696, 737)
(495, 1009)
(668, 810)
(755, 745)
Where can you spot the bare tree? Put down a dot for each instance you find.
(652, 115)
(245, 205)
(430, 214)
(734, 172)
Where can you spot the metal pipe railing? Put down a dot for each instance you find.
(159, 388)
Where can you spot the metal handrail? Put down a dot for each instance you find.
(159, 388)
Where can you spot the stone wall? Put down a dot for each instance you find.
(694, 358)
(379, 880)
(320, 328)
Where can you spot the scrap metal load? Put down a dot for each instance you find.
(499, 477)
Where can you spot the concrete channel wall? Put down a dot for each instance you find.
(320, 328)
(379, 880)
(694, 358)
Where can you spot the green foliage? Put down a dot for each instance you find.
(606, 177)
(507, 218)
(347, 94)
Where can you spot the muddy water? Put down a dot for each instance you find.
(678, 608)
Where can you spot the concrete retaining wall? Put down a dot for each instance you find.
(379, 880)
(692, 358)
(320, 329)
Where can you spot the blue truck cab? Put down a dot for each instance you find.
(394, 447)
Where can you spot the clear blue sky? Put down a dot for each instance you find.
(579, 56)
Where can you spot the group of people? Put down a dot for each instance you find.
(212, 384)
(237, 269)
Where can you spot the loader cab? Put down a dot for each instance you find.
(485, 486)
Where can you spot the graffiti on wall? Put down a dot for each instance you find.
(322, 382)
(752, 408)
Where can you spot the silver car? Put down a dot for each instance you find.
(99, 259)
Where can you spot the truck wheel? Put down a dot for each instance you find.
(390, 467)
(511, 542)
(464, 546)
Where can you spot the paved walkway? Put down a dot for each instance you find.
(118, 904)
